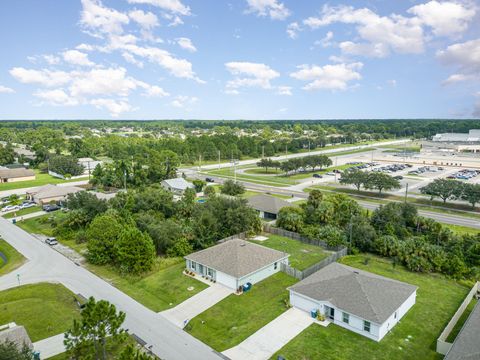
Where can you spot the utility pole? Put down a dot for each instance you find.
(335, 171)
(263, 151)
(286, 151)
(218, 159)
(406, 193)
(125, 179)
(200, 162)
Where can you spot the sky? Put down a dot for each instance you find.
(239, 59)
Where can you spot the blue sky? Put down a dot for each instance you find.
(243, 59)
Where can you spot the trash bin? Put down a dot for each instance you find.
(313, 313)
(14, 221)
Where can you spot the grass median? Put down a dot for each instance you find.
(13, 259)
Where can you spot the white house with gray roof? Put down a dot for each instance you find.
(236, 262)
(177, 185)
(368, 304)
(267, 206)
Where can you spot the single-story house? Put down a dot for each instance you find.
(16, 334)
(467, 343)
(88, 164)
(48, 193)
(267, 206)
(357, 300)
(177, 186)
(236, 262)
(18, 174)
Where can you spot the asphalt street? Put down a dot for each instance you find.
(47, 265)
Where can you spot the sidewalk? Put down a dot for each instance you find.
(50, 346)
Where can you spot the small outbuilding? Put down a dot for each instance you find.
(177, 186)
(267, 206)
(17, 174)
(48, 193)
(366, 303)
(236, 262)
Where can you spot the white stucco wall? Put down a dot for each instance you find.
(393, 320)
(227, 280)
(377, 331)
(261, 274)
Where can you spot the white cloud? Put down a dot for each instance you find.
(132, 60)
(174, 6)
(284, 90)
(147, 20)
(115, 107)
(155, 91)
(56, 97)
(272, 8)
(476, 109)
(51, 59)
(182, 101)
(445, 18)
(76, 57)
(465, 56)
(43, 77)
(232, 92)
(326, 41)
(381, 34)
(6, 90)
(100, 19)
(293, 29)
(392, 83)
(85, 47)
(186, 43)
(250, 74)
(329, 77)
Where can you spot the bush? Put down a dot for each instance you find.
(181, 247)
(232, 188)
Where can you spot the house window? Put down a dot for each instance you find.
(345, 318)
(210, 272)
(194, 265)
(366, 326)
(275, 266)
(395, 314)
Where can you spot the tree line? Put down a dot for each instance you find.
(369, 180)
(394, 230)
(296, 164)
(447, 189)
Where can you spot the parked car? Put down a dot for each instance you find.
(50, 208)
(27, 205)
(398, 177)
(10, 208)
(209, 180)
(318, 176)
(330, 173)
(51, 241)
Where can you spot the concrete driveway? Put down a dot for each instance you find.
(272, 337)
(195, 305)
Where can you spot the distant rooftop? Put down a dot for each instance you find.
(472, 136)
(267, 203)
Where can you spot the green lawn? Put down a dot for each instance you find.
(458, 326)
(22, 212)
(40, 179)
(437, 300)
(302, 255)
(273, 180)
(236, 317)
(14, 258)
(462, 230)
(44, 309)
(162, 288)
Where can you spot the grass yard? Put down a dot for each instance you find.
(302, 255)
(462, 230)
(458, 326)
(40, 179)
(14, 258)
(437, 300)
(235, 318)
(22, 212)
(273, 180)
(44, 309)
(162, 288)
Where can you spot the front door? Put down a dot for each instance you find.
(330, 313)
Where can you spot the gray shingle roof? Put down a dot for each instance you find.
(178, 183)
(49, 191)
(467, 344)
(372, 297)
(16, 173)
(267, 203)
(16, 334)
(237, 257)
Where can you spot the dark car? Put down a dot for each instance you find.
(398, 177)
(318, 176)
(50, 208)
(210, 180)
(51, 241)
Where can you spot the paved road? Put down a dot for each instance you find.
(46, 265)
(303, 154)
